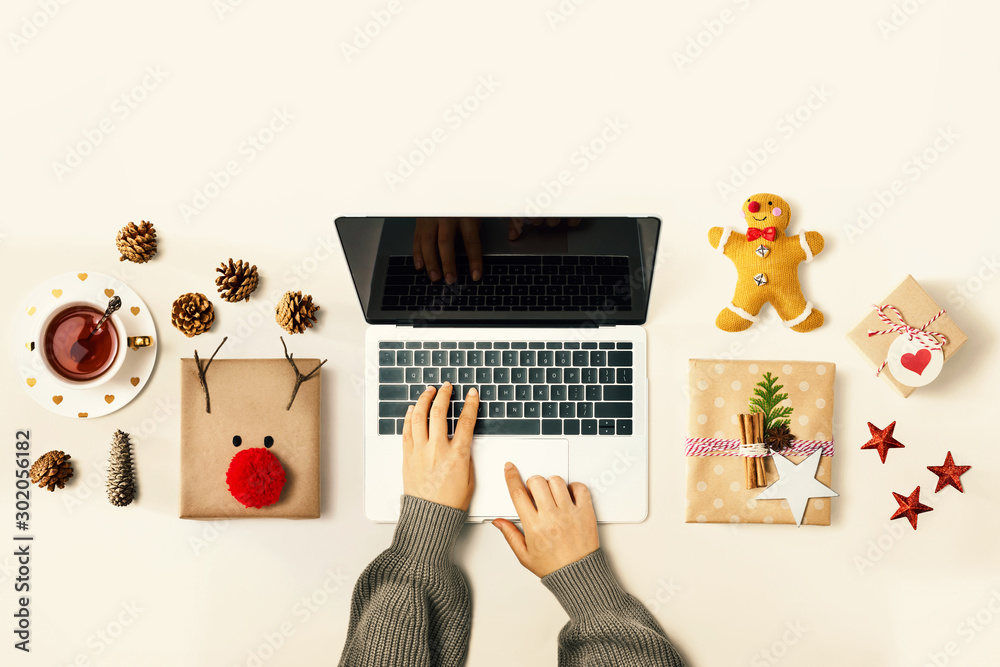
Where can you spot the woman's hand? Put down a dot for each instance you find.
(434, 247)
(436, 468)
(559, 522)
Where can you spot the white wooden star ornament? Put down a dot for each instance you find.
(797, 484)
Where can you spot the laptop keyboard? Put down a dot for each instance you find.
(514, 282)
(525, 388)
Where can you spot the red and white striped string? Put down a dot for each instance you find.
(927, 339)
(727, 447)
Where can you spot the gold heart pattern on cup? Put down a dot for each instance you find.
(31, 382)
(57, 293)
(57, 399)
(81, 276)
(81, 414)
(135, 310)
(109, 292)
(108, 398)
(30, 311)
(135, 382)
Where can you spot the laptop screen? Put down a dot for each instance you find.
(501, 271)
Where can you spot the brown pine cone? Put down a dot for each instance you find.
(51, 470)
(778, 437)
(295, 313)
(192, 314)
(238, 280)
(121, 478)
(137, 243)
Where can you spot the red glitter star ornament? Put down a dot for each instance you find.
(910, 506)
(882, 440)
(949, 473)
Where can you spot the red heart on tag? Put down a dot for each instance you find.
(916, 362)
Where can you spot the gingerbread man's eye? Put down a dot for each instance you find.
(237, 441)
(268, 441)
(770, 204)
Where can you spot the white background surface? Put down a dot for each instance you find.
(862, 592)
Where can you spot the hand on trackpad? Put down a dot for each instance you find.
(532, 457)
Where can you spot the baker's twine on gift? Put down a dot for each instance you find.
(728, 447)
(927, 339)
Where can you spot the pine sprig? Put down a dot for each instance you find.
(767, 399)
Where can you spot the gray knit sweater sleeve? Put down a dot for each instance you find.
(607, 626)
(411, 607)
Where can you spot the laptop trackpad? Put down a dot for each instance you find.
(545, 457)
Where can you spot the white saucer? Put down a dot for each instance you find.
(39, 382)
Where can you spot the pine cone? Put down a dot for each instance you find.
(52, 469)
(295, 313)
(238, 281)
(121, 478)
(192, 314)
(137, 243)
(778, 437)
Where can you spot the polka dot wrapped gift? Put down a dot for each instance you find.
(797, 395)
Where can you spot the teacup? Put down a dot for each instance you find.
(77, 358)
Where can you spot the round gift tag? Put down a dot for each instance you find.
(913, 364)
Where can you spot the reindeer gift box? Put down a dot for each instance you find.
(250, 438)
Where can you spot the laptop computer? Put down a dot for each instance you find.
(542, 316)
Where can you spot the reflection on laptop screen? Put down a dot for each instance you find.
(448, 271)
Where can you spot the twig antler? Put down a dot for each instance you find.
(201, 374)
(299, 377)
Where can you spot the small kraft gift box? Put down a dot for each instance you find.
(744, 415)
(907, 337)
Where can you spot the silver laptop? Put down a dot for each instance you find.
(542, 317)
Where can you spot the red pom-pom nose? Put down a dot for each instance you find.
(753, 207)
(255, 477)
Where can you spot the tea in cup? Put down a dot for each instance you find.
(78, 355)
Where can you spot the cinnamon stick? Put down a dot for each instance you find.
(759, 461)
(746, 435)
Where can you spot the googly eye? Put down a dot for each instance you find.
(268, 441)
(237, 441)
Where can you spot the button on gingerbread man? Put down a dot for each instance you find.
(767, 266)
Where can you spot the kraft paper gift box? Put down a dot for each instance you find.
(917, 308)
(716, 479)
(248, 398)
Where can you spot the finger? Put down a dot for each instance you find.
(438, 428)
(581, 495)
(574, 222)
(418, 255)
(408, 431)
(428, 245)
(514, 228)
(467, 421)
(419, 417)
(518, 493)
(540, 493)
(514, 537)
(473, 246)
(559, 490)
(446, 246)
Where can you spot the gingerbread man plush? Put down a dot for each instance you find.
(767, 266)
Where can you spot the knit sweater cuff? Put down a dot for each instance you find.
(586, 587)
(427, 531)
